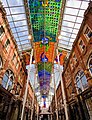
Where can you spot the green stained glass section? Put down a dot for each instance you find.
(45, 66)
(44, 16)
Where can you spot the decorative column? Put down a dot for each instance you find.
(26, 90)
(55, 96)
(62, 88)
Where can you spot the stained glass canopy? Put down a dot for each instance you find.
(45, 15)
(51, 23)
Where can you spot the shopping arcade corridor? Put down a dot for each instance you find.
(43, 88)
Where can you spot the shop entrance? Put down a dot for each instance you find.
(44, 117)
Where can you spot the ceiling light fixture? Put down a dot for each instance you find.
(30, 37)
(59, 37)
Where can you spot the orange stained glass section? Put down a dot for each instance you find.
(42, 49)
(62, 57)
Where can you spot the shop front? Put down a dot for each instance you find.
(5, 104)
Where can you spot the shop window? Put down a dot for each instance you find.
(8, 79)
(81, 45)
(90, 64)
(7, 44)
(1, 30)
(1, 62)
(81, 81)
(88, 32)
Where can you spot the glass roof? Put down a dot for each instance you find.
(16, 16)
(72, 19)
(19, 24)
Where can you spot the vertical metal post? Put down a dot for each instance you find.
(33, 98)
(37, 112)
(55, 96)
(50, 107)
(26, 90)
(37, 115)
(51, 112)
(62, 88)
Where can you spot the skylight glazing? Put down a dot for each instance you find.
(16, 16)
(72, 19)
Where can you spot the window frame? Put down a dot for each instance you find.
(14, 59)
(1, 62)
(7, 82)
(80, 74)
(14, 56)
(17, 64)
(89, 59)
(2, 29)
(86, 36)
(74, 57)
(81, 48)
(7, 44)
